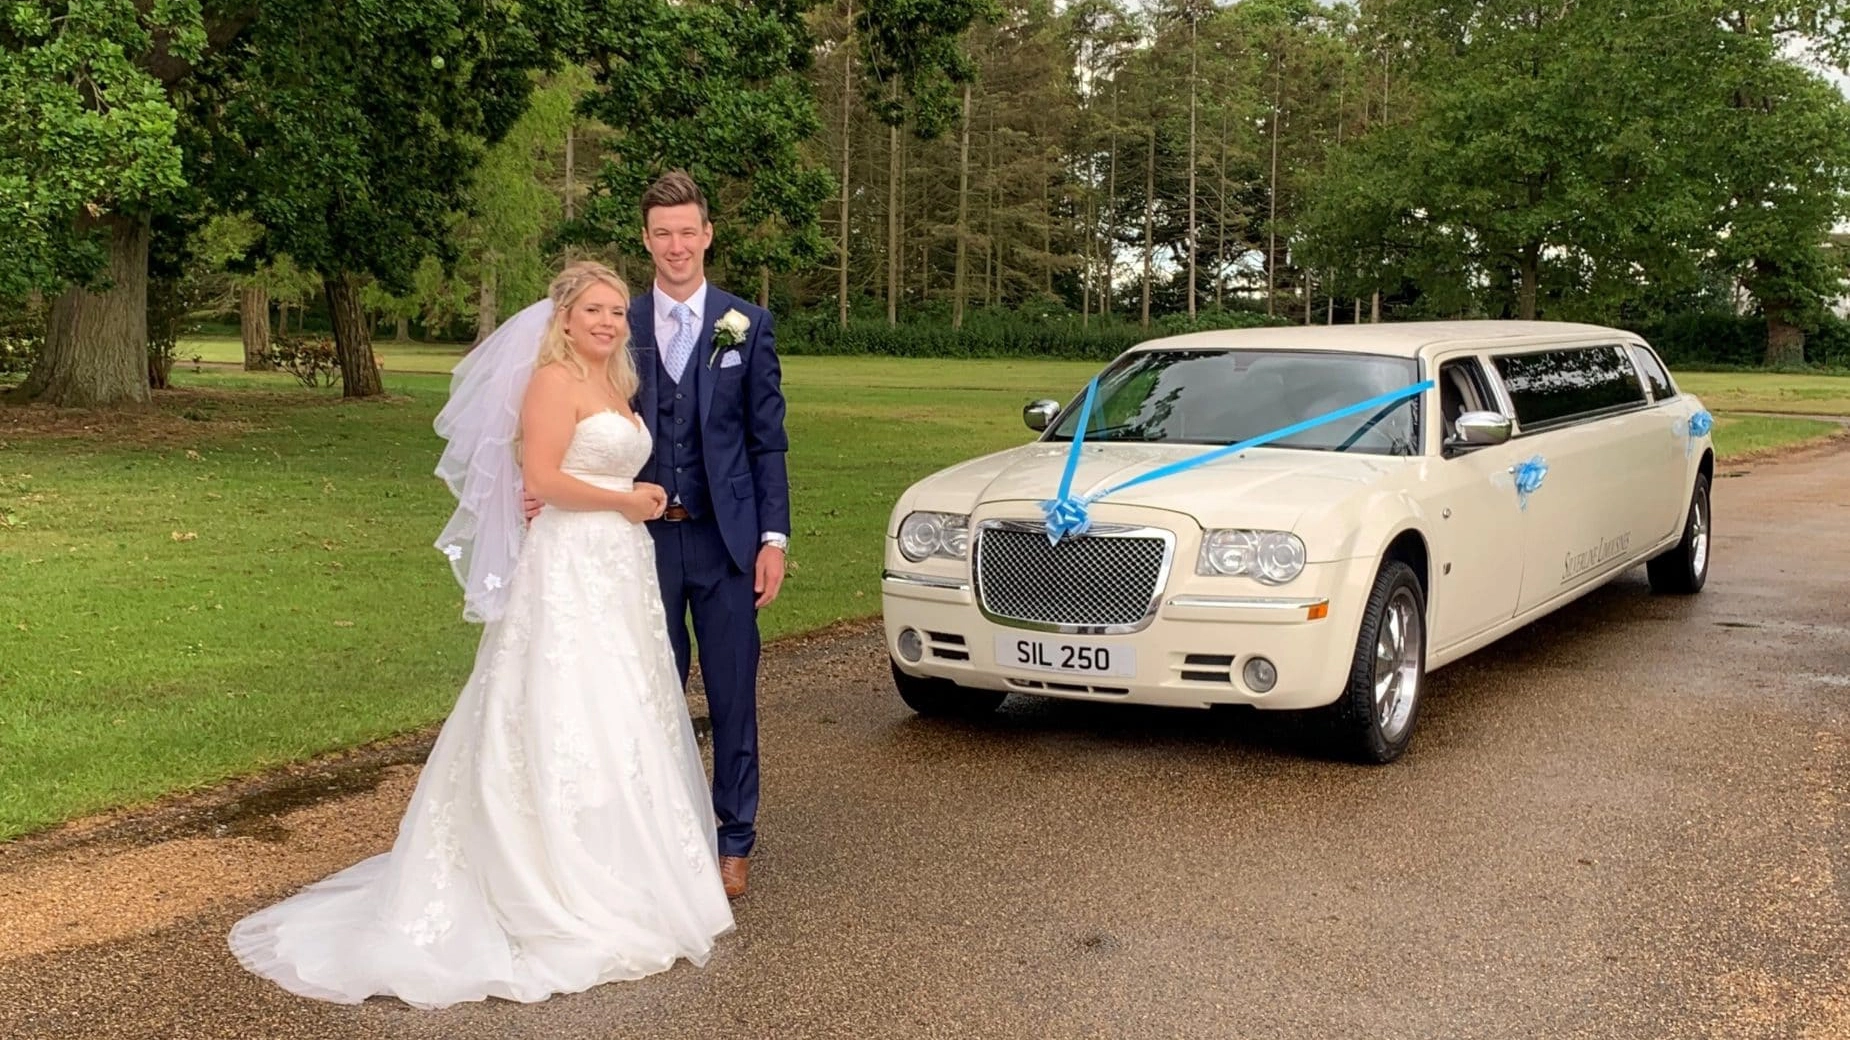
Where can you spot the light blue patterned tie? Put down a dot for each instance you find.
(683, 345)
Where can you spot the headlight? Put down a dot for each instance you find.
(1272, 557)
(934, 534)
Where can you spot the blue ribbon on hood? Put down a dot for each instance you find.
(1066, 515)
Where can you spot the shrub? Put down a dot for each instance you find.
(992, 334)
(311, 359)
(22, 336)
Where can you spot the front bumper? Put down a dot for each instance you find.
(1190, 654)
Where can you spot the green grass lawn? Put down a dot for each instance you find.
(393, 356)
(1769, 392)
(246, 577)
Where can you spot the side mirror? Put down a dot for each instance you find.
(1480, 430)
(1040, 414)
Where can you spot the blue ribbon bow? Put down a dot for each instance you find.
(1698, 426)
(1067, 516)
(1529, 476)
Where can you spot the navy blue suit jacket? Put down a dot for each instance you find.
(741, 419)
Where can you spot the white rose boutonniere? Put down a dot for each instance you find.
(728, 331)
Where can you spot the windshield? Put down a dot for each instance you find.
(1224, 396)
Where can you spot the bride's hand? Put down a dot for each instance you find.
(646, 502)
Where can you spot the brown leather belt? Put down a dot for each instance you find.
(675, 513)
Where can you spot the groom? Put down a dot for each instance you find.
(711, 397)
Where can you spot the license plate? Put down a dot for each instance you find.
(1057, 655)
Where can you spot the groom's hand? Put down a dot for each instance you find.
(770, 574)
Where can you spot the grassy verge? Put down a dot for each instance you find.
(1789, 394)
(245, 576)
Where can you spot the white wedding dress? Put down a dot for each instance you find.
(562, 832)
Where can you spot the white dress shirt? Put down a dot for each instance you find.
(666, 327)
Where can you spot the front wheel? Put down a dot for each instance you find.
(1373, 719)
(1683, 569)
(942, 698)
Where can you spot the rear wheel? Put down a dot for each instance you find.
(1373, 719)
(942, 698)
(1683, 569)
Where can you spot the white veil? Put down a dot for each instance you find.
(481, 422)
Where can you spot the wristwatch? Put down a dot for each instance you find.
(782, 541)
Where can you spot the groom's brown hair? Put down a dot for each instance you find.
(674, 188)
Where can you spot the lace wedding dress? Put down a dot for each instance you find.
(562, 834)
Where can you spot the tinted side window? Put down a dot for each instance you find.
(1655, 375)
(1555, 386)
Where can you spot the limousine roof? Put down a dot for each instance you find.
(1406, 339)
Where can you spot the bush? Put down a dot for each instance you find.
(311, 359)
(22, 336)
(992, 334)
(1723, 340)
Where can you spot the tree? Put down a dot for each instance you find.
(1545, 161)
(717, 90)
(1782, 137)
(350, 130)
(914, 60)
(87, 151)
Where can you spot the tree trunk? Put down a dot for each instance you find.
(1785, 342)
(992, 250)
(571, 162)
(1271, 220)
(764, 287)
(1111, 207)
(1220, 223)
(359, 372)
(487, 313)
(1149, 224)
(254, 327)
(847, 129)
(892, 226)
(1374, 308)
(1193, 67)
(402, 333)
(96, 343)
(1531, 280)
(959, 287)
(1047, 237)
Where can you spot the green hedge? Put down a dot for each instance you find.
(1700, 339)
(988, 334)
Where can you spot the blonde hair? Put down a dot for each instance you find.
(565, 290)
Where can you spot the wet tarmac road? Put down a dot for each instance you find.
(1626, 821)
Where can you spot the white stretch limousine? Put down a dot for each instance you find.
(1496, 471)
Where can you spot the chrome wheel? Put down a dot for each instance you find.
(1699, 534)
(1399, 652)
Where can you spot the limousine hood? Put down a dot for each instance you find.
(1270, 488)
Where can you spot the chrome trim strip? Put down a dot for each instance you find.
(926, 581)
(1166, 536)
(1245, 602)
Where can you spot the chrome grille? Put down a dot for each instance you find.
(1095, 581)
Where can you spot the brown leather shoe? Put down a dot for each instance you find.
(732, 871)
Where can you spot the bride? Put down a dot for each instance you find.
(561, 835)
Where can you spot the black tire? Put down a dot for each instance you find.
(942, 698)
(1683, 569)
(1370, 722)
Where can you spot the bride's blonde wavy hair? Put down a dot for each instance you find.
(565, 290)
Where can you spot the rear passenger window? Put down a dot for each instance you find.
(1655, 375)
(1551, 387)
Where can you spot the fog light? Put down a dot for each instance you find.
(911, 647)
(1260, 675)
